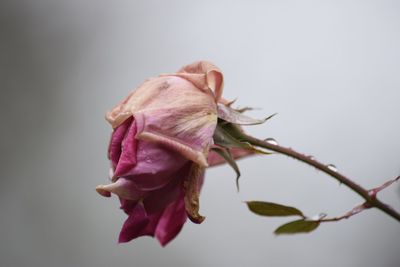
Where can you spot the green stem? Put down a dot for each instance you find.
(368, 195)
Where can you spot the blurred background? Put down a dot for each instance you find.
(330, 69)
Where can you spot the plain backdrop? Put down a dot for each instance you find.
(330, 69)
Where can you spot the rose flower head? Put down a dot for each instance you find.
(165, 134)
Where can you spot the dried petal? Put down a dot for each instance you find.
(192, 190)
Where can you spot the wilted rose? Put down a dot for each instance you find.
(159, 149)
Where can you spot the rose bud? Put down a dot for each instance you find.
(163, 134)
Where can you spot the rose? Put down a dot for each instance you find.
(163, 132)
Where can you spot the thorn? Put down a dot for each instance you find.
(374, 191)
(229, 104)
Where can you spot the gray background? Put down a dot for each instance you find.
(329, 68)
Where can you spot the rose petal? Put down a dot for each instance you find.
(156, 166)
(124, 188)
(157, 200)
(137, 100)
(191, 136)
(114, 149)
(171, 111)
(127, 159)
(192, 185)
(171, 222)
(204, 75)
(127, 205)
(135, 225)
(182, 118)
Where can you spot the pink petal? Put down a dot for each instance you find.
(153, 222)
(186, 130)
(139, 223)
(114, 149)
(156, 166)
(171, 222)
(159, 199)
(127, 205)
(135, 225)
(173, 112)
(123, 187)
(127, 159)
(204, 75)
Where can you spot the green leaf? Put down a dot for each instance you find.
(272, 209)
(225, 153)
(296, 227)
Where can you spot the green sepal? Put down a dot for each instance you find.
(228, 135)
(226, 154)
(231, 115)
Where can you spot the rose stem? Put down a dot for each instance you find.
(369, 196)
(348, 214)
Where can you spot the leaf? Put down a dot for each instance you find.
(231, 115)
(225, 153)
(223, 138)
(296, 227)
(272, 209)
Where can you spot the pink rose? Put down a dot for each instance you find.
(159, 149)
